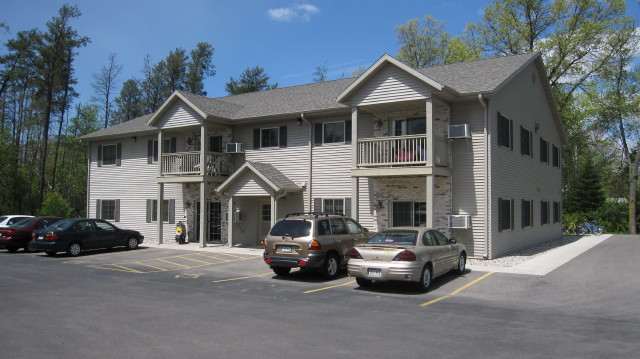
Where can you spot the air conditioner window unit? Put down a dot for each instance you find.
(234, 147)
(459, 131)
(460, 221)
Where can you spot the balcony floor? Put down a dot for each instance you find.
(400, 171)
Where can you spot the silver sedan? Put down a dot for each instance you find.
(410, 254)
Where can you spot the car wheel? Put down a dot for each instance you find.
(281, 271)
(74, 249)
(331, 266)
(425, 278)
(364, 282)
(12, 249)
(462, 263)
(50, 253)
(132, 243)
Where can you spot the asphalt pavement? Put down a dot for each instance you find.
(156, 303)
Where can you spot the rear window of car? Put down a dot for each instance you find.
(25, 222)
(2, 219)
(407, 238)
(61, 225)
(291, 228)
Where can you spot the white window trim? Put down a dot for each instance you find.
(102, 202)
(413, 211)
(344, 134)
(343, 199)
(277, 135)
(115, 159)
(155, 213)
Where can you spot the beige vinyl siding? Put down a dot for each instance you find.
(179, 115)
(390, 84)
(133, 183)
(514, 176)
(468, 176)
(249, 185)
(292, 161)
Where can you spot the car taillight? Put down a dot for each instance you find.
(405, 256)
(314, 245)
(50, 236)
(354, 254)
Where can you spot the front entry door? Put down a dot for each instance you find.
(215, 223)
(264, 219)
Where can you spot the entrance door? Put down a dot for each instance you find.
(264, 219)
(215, 223)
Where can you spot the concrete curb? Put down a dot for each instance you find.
(549, 261)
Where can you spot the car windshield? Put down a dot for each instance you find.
(291, 228)
(61, 225)
(406, 238)
(27, 222)
(3, 218)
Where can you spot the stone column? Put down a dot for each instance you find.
(230, 222)
(430, 189)
(430, 132)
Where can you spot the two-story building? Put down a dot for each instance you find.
(470, 148)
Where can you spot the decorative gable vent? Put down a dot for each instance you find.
(459, 131)
(234, 147)
(460, 221)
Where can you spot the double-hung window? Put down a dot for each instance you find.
(108, 209)
(332, 132)
(269, 137)
(544, 212)
(556, 212)
(333, 206)
(168, 210)
(526, 211)
(409, 214)
(555, 154)
(505, 131)
(544, 151)
(526, 142)
(505, 214)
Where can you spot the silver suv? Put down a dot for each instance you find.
(317, 241)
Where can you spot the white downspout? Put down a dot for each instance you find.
(310, 167)
(88, 214)
(487, 210)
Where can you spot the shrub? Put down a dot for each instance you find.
(613, 216)
(55, 205)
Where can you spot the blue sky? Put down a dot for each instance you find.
(288, 38)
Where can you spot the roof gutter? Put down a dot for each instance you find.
(484, 103)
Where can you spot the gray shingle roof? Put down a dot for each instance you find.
(465, 78)
(275, 176)
(136, 126)
(477, 76)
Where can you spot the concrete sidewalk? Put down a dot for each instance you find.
(548, 261)
(215, 248)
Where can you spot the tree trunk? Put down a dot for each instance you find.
(633, 186)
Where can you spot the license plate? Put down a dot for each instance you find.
(374, 272)
(40, 237)
(285, 249)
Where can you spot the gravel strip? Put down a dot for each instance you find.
(523, 255)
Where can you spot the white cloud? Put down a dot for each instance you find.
(300, 12)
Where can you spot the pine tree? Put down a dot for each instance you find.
(586, 195)
(251, 80)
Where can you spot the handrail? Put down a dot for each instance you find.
(392, 151)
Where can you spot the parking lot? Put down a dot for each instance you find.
(160, 303)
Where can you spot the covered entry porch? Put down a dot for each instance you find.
(257, 195)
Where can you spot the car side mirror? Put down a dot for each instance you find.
(452, 241)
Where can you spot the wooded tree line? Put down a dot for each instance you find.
(43, 164)
(590, 48)
(592, 54)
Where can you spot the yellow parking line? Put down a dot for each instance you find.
(152, 266)
(174, 263)
(240, 278)
(457, 291)
(194, 259)
(329, 287)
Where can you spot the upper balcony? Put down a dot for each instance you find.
(392, 151)
(189, 164)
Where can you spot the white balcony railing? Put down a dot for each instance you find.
(188, 164)
(392, 151)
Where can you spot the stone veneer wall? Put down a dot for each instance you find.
(191, 193)
(392, 189)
